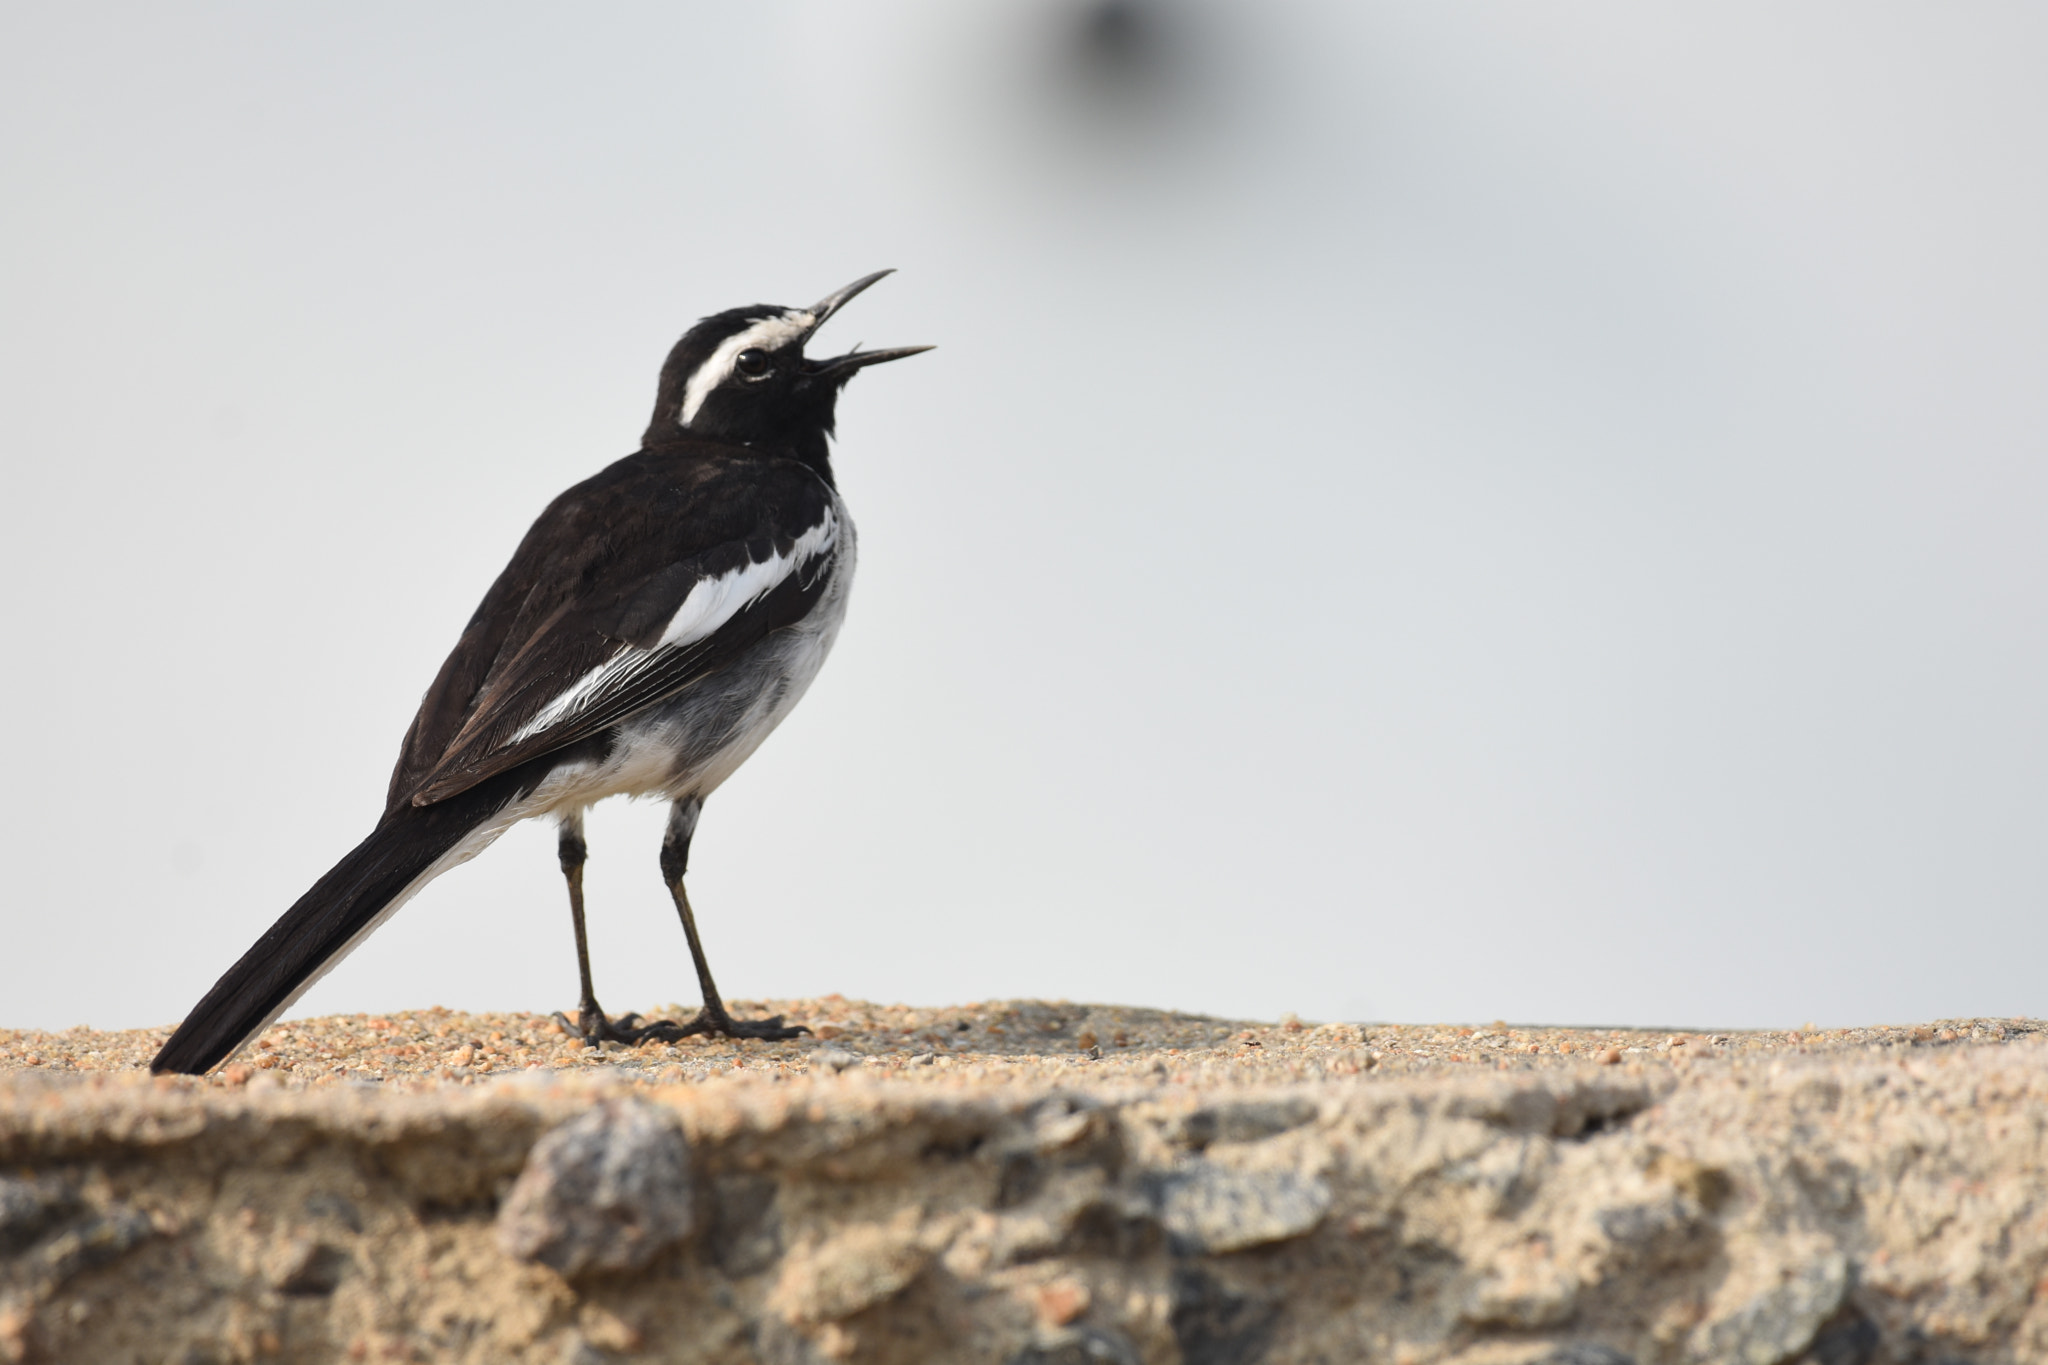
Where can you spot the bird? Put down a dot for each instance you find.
(657, 621)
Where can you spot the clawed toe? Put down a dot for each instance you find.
(659, 1031)
(595, 1029)
(771, 1030)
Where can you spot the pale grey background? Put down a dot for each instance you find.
(1423, 512)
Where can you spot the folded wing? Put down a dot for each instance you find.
(536, 673)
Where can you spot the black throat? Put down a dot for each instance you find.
(813, 449)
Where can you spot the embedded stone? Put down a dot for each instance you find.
(608, 1190)
(1205, 1207)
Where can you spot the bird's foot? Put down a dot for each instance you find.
(595, 1029)
(717, 1021)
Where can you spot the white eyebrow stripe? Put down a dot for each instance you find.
(768, 334)
(710, 603)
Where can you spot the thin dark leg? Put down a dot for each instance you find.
(675, 861)
(573, 853)
(591, 1023)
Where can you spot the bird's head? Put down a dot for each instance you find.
(742, 376)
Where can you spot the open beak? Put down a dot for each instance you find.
(856, 358)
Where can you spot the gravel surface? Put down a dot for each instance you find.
(1026, 1040)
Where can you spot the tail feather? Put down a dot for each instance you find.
(410, 846)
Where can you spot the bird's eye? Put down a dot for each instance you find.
(752, 362)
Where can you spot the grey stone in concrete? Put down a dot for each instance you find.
(607, 1190)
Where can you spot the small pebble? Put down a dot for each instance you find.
(1062, 1301)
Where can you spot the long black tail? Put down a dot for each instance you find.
(325, 923)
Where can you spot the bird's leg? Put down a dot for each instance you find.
(675, 861)
(574, 852)
(591, 1024)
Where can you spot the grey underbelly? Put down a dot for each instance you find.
(707, 731)
(691, 743)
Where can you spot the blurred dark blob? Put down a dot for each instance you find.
(1119, 37)
(1133, 66)
(1124, 52)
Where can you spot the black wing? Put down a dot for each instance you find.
(631, 586)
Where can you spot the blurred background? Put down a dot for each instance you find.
(1419, 512)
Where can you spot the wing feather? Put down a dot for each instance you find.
(595, 620)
